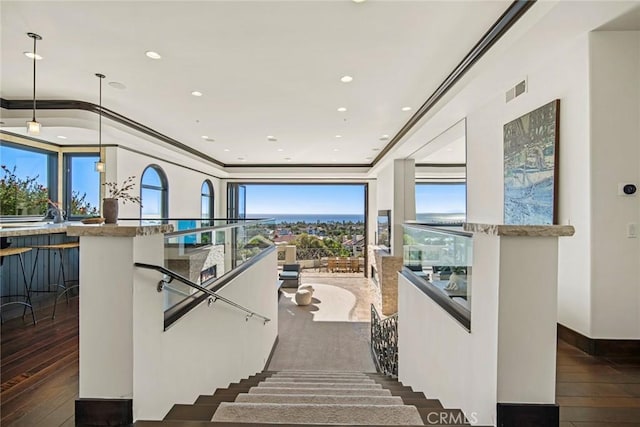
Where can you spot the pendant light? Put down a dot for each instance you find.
(33, 127)
(100, 165)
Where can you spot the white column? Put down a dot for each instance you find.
(107, 273)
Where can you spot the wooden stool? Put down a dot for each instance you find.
(60, 248)
(27, 284)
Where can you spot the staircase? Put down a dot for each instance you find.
(290, 398)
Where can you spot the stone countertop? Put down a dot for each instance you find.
(23, 229)
(116, 230)
(520, 230)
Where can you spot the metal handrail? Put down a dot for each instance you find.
(213, 297)
(384, 342)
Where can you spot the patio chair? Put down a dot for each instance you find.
(290, 275)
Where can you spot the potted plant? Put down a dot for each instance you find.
(115, 193)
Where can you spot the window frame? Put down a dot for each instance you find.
(164, 191)
(210, 197)
(67, 182)
(51, 175)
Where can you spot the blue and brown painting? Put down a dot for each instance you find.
(530, 144)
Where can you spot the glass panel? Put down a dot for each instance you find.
(442, 258)
(441, 204)
(151, 178)
(85, 186)
(24, 186)
(151, 203)
(204, 254)
(205, 189)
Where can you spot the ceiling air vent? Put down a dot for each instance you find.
(516, 91)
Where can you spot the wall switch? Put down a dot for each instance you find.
(632, 230)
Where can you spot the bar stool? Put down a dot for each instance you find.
(7, 252)
(62, 284)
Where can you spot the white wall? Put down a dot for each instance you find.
(614, 69)
(208, 348)
(184, 184)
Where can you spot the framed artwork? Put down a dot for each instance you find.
(531, 167)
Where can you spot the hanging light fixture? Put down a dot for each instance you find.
(33, 127)
(100, 165)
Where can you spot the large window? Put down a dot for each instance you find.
(441, 203)
(27, 180)
(207, 200)
(153, 193)
(82, 185)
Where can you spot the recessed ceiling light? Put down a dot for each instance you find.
(208, 139)
(376, 149)
(368, 158)
(280, 149)
(406, 108)
(117, 85)
(242, 159)
(32, 55)
(346, 79)
(336, 149)
(342, 109)
(227, 150)
(288, 159)
(196, 93)
(358, 1)
(62, 137)
(153, 55)
(338, 136)
(204, 137)
(333, 160)
(449, 149)
(384, 138)
(271, 138)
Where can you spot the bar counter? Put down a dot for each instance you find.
(26, 229)
(42, 272)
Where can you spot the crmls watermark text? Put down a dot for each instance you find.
(449, 417)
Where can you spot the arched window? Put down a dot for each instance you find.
(154, 193)
(207, 199)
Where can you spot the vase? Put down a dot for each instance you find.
(110, 210)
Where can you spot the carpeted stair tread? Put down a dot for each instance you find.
(324, 391)
(318, 414)
(319, 380)
(319, 375)
(319, 399)
(320, 385)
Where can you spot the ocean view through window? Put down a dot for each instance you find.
(441, 203)
(321, 220)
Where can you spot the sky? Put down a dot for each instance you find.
(344, 199)
(441, 198)
(305, 199)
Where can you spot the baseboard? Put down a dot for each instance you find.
(599, 347)
(273, 349)
(104, 412)
(528, 415)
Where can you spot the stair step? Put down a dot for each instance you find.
(319, 385)
(191, 412)
(323, 391)
(317, 414)
(319, 380)
(318, 375)
(319, 399)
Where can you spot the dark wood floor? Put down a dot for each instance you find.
(595, 391)
(39, 378)
(39, 368)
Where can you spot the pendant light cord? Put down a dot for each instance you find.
(100, 76)
(34, 79)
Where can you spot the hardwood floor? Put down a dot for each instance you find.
(39, 377)
(597, 391)
(39, 369)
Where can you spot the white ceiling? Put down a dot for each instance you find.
(264, 67)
